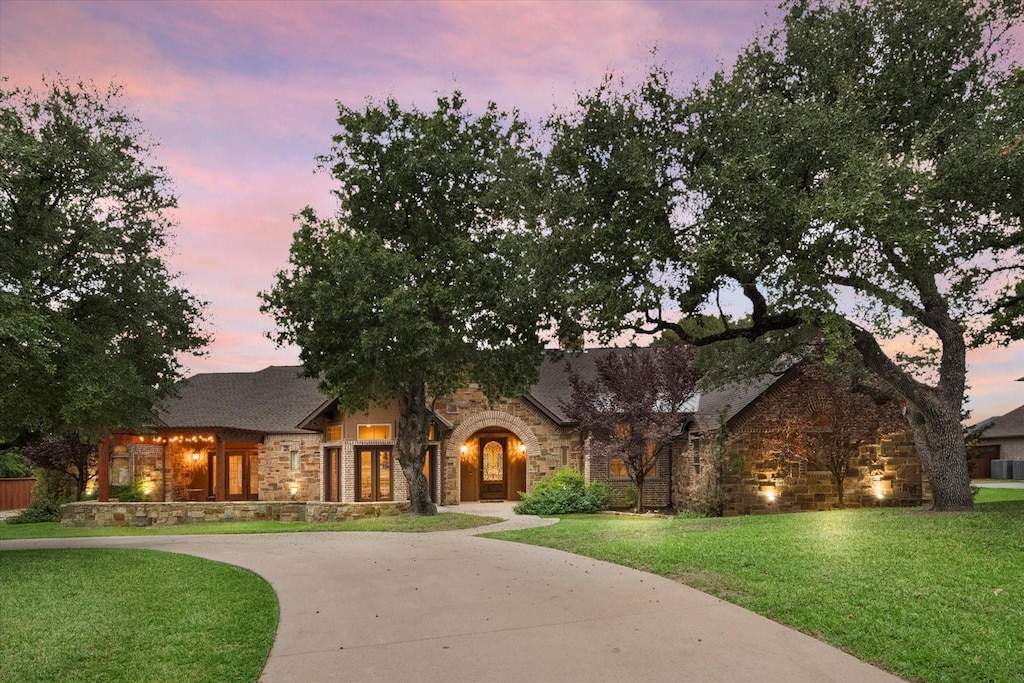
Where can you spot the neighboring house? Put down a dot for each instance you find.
(272, 435)
(1003, 436)
(999, 438)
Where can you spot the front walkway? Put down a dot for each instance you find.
(454, 607)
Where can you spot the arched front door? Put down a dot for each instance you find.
(493, 466)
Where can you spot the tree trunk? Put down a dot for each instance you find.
(639, 495)
(414, 420)
(933, 412)
(840, 478)
(939, 440)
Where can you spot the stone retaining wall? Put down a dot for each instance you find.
(94, 514)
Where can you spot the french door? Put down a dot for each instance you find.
(373, 473)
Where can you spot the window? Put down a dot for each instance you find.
(373, 474)
(293, 461)
(651, 459)
(617, 469)
(120, 465)
(373, 432)
(334, 432)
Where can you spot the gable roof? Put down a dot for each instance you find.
(272, 401)
(279, 400)
(1010, 424)
(553, 387)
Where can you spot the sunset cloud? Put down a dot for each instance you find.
(241, 97)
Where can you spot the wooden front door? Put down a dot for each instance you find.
(493, 467)
(242, 482)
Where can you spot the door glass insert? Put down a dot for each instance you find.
(494, 461)
(366, 475)
(235, 474)
(383, 474)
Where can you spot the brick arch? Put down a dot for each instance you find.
(483, 420)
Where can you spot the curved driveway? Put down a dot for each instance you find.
(453, 607)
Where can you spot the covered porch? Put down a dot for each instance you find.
(181, 465)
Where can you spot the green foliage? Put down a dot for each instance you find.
(91, 321)
(51, 484)
(563, 493)
(14, 465)
(632, 497)
(154, 616)
(421, 279)
(128, 493)
(855, 174)
(39, 510)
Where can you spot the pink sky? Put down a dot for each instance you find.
(241, 96)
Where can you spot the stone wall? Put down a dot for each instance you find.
(548, 446)
(150, 467)
(775, 451)
(885, 474)
(276, 476)
(94, 514)
(656, 485)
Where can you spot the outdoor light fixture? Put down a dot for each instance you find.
(294, 490)
(464, 449)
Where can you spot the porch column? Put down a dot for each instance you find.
(221, 489)
(103, 470)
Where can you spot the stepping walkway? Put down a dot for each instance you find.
(453, 607)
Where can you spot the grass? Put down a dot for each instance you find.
(931, 597)
(131, 615)
(447, 521)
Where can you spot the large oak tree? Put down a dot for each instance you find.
(91, 321)
(419, 283)
(857, 175)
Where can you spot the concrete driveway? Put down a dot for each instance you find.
(453, 607)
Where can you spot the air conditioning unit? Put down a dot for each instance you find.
(1002, 469)
(1018, 469)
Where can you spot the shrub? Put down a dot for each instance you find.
(39, 510)
(129, 493)
(564, 493)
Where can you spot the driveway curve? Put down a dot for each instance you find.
(453, 607)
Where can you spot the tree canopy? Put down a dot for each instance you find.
(91, 321)
(419, 283)
(855, 176)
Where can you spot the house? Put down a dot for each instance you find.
(999, 438)
(272, 435)
(794, 441)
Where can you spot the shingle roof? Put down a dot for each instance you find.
(553, 387)
(1010, 424)
(273, 400)
(277, 399)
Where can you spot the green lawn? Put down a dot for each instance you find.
(131, 615)
(933, 597)
(408, 523)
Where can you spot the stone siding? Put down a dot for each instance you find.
(277, 478)
(656, 485)
(469, 411)
(93, 514)
(769, 463)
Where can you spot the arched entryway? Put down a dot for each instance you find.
(492, 449)
(492, 466)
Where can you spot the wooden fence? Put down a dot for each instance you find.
(16, 494)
